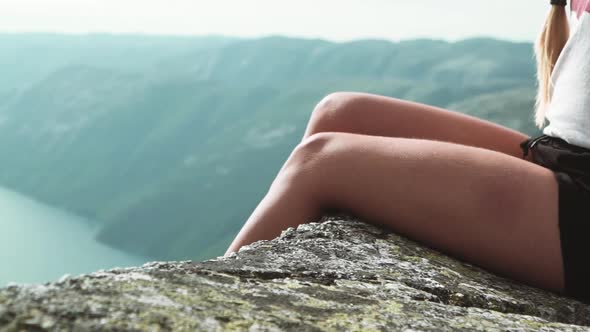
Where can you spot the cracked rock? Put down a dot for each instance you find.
(337, 274)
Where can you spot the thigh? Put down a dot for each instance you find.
(370, 114)
(489, 208)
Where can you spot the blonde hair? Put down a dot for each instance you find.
(548, 47)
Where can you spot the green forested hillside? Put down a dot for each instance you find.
(169, 143)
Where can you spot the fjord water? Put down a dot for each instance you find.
(39, 243)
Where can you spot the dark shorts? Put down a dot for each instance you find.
(571, 166)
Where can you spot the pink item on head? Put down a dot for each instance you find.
(580, 6)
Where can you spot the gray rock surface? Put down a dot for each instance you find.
(337, 274)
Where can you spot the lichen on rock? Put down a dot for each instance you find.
(337, 274)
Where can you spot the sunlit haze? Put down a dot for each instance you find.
(337, 20)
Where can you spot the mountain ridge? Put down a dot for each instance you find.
(152, 138)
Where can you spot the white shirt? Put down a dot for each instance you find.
(568, 112)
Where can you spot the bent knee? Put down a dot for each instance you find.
(333, 112)
(334, 101)
(313, 150)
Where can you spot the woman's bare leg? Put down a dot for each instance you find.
(370, 114)
(487, 207)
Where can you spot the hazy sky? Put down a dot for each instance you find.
(339, 20)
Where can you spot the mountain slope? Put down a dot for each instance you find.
(169, 145)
